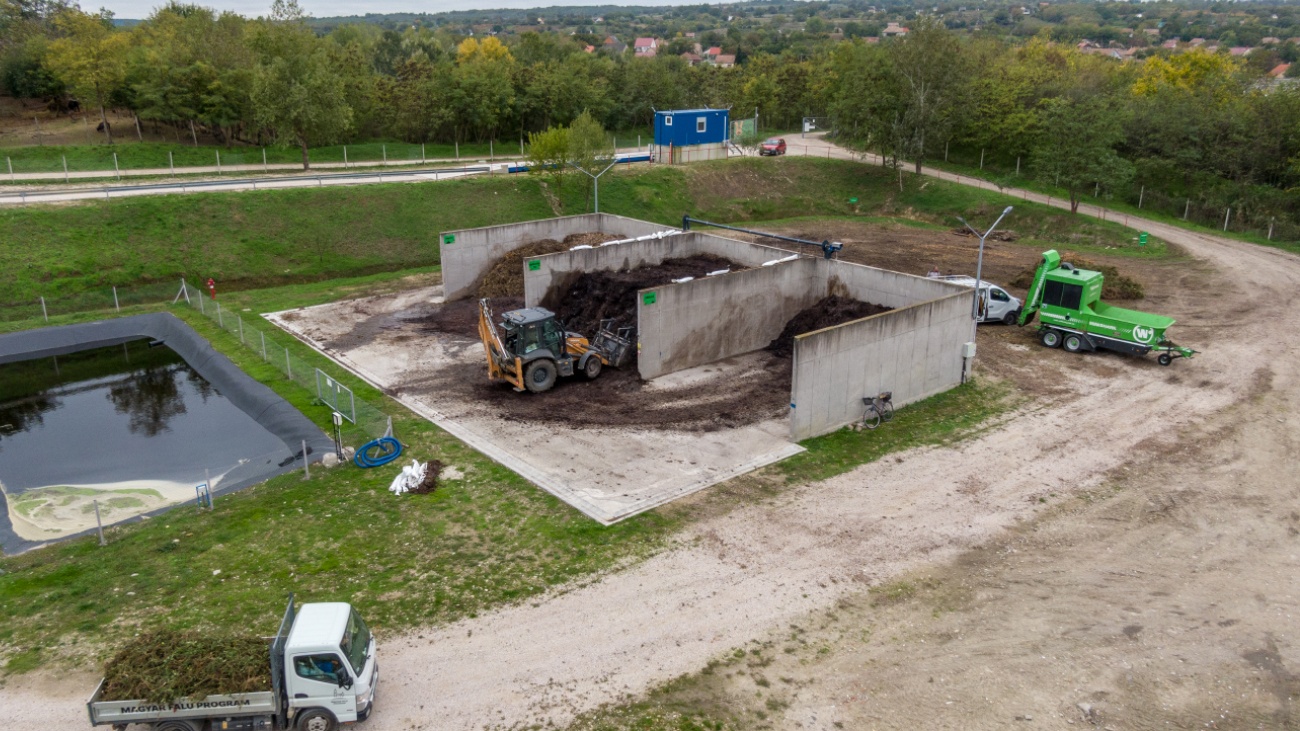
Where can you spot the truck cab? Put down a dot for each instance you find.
(996, 304)
(329, 667)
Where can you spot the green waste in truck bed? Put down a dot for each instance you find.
(165, 665)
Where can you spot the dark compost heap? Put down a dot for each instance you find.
(163, 666)
(506, 277)
(829, 312)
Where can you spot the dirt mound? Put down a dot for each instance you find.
(165, 665)
(995, 236)
(506, 277)
(829, 312)
(461, 317)
(1116, 287)
(432, 469)
(582, 302)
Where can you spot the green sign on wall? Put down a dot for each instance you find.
(648, 298)
(449, 238)
(534, 265)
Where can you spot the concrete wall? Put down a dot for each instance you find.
(885, 287)
(475, 250)
(552, 268)
(915, 352)
(709, 319)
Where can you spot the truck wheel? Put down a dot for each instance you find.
(1073, 343)
(1010, 318)
(1051, 338)
(1165, 359)
(592, 369)
(540, 375)
(175, 725)
(317, 719)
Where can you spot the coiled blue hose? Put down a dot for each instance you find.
(390, 449)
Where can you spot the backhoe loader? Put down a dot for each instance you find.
(530, 349)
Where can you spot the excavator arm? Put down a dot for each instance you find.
(1034, 300)
(501, 365)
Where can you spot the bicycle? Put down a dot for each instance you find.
(879, 408)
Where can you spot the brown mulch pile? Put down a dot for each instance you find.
(430, 482)
(583, 301)
(1115, 287)
(829, 312)
(506, 277)
(162, 666)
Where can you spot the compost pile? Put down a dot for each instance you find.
(163, 666)
(584, 301)
(829, 312)
(432, 469)
(506, 277)
(1115, 287)
(461, 316)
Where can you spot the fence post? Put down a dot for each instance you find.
(1226, 216)
(981, 158)
(384, 149)
(117, 169)
(241, 328)
(218, 162)
(1141, 196)
(1187, 208)
(345, 157)
(288, 365)
(1096, 191)
(945, 151)
(1270, 228)
(1017, 165)
(264, 168)
(65, 168)
(202, 308)
(171, 163)
(422, 157)
(491, 153)
(521, 147)
(306, 473)
(99, 524)
(44, 311)
(10, 160)
(221, 322)
(116, 306)
(259, 332)
(457, 149)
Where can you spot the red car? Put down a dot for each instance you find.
(772, 146)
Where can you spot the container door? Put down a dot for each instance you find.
(315, 683)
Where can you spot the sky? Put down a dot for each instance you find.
(139, 9)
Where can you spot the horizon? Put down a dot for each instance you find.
(142, 9)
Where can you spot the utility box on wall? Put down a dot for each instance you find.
(690, 135)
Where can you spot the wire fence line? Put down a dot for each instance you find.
(362, 421)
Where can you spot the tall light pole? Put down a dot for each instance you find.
(979, 269)
(596, 178)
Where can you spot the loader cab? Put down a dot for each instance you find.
(532, 332)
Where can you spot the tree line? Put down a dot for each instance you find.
(1205, 125)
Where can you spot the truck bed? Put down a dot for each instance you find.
(137, 711)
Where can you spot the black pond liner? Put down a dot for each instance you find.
(260, 403)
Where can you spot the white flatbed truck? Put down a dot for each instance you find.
(323, 674)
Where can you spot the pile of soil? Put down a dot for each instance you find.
(1115, 287)
(829, 312)
(461, 316)
(995, 236)
(163, 666)
(432, 469)
(581, 302)
(506, 277)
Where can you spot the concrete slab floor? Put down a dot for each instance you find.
(608, 473)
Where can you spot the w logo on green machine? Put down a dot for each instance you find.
(1143, 334)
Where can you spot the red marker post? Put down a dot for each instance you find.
(212, 287)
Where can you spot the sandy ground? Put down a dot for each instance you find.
(1168, 604)
(608, 472)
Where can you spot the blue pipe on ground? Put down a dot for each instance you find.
(389, 450)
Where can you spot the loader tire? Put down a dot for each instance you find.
(540, 375)
(1073, 343)
(592, 369)
(1051, 338)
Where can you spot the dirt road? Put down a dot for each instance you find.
(1197, 553)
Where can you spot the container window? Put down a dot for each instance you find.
(699, 125)
(668, 121)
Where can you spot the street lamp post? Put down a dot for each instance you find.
(596, 178)
(979, 268)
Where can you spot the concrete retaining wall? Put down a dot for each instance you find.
(473, 251)
(915, 352)
(705, 320)
(888, 288)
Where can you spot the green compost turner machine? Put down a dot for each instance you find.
(1071, 314)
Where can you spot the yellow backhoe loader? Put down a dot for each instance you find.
(530, 349)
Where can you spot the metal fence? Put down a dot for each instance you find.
(363, 421)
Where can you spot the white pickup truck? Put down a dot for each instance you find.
(323, 673)
(996, 305)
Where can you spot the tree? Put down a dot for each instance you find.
(296, 91)
(929, 83)
(548, 154)
(1076, 147)
(90, 59)
(589, 148)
